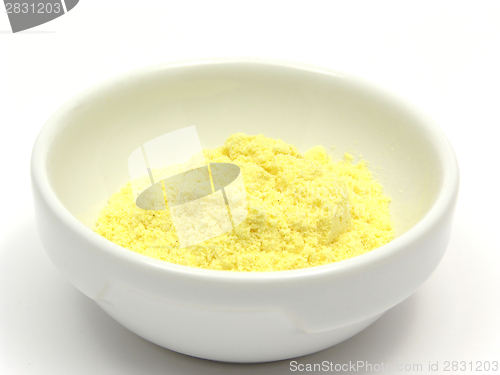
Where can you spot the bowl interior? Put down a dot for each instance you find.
(94, 134)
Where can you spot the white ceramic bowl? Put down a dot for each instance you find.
(80, 159)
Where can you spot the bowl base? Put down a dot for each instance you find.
(226, 336)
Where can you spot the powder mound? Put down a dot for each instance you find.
(303, 211)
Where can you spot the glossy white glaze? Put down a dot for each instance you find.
(80, 159)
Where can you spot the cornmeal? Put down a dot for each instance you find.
(303, 210)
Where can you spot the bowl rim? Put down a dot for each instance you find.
(444, 202)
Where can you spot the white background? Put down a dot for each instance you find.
(441, 55)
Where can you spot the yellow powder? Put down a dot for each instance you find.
(303, 211)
